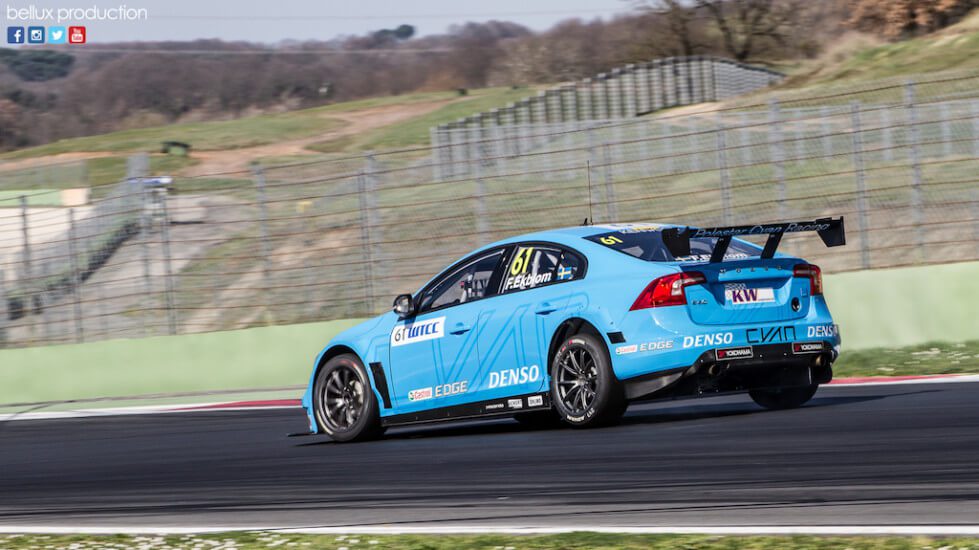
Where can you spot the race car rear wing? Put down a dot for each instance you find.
(677, 239)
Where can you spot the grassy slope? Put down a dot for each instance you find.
(568, 541)
(953, 48)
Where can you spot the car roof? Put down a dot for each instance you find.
(572, 236)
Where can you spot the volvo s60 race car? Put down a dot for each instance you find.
(573, 324)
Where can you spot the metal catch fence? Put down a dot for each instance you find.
(339, 238)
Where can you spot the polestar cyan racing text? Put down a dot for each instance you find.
(573, 324)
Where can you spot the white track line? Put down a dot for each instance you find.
(218, 406)
(837, 530)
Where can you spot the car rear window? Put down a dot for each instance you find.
(646, 243)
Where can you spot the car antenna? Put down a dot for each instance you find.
(591, 216)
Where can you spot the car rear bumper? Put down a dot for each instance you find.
(740, 368)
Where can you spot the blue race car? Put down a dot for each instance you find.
(572, 324)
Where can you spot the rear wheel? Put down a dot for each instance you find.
(784, 398)
(344, 403)
(584, 390)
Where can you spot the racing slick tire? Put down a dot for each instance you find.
(783, 398)
(344, 403)
(584, 390)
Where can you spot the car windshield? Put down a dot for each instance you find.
(647, 244)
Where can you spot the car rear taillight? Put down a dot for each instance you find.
(814, 274)
(668, 290)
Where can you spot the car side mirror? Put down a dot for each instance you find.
(404, 306)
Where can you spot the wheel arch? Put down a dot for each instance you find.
(568, 328)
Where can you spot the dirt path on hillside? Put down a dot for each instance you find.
(233, 160)
(355, 122)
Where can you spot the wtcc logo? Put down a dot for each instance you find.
(420, 331)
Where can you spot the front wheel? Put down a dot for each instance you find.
(344, 403)
(784, 398)
(584, 390)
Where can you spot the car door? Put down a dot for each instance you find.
(432, 352)
(515, 327)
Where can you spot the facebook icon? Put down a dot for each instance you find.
(15, 35)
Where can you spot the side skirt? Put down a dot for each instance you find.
(504, 406)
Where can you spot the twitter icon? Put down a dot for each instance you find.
(56, 35)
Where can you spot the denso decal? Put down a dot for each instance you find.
(770, 334)
(822, 331)
(419, 331)
(512, 377)
(710, 339)
(420, 394)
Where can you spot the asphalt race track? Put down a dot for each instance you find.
(856, 455)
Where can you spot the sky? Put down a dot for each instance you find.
(272, 21)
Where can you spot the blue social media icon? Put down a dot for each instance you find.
(57, 35)
(35, 35)
(15, 35)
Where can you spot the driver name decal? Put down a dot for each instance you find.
(419, 331)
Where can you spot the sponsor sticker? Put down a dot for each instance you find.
(709, 339)
(455, 388)
(739, 294)
(418, 331)
(625, 350)
(785, 333)
(514, 403)
(420, 394)
(513, 377)
(735, 353)
(807, 347)
(494, 406)
(822, 331)
(535, 401)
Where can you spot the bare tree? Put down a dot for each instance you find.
(680, 21)
(743, 22)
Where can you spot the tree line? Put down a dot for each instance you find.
(49, 95)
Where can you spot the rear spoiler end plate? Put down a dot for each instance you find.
(677, 239)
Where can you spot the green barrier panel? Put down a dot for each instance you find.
(905, 306)
(879, 308)
(251, 358)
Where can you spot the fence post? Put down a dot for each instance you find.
(100, 287)
(482, 220)
(861, 185)
(590, 135)
(611, 209)
(914, 137)
(45, 309)
(28, 284)
(258, 173)
(4, 311)
(168, 266)
(885, 129)
(726, 214)
(145, 225)
(76, 279)
(974, 108)
(365, 196)
(778, 158)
